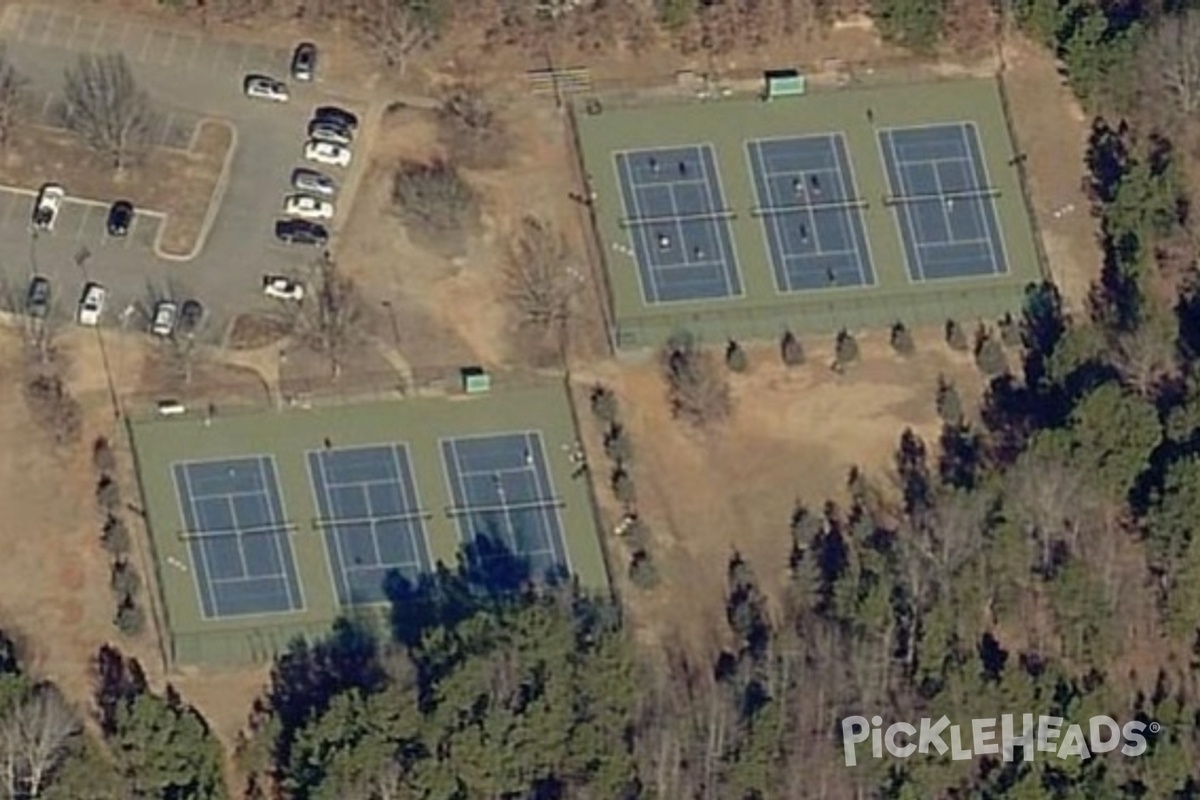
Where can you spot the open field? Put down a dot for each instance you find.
(759, 309)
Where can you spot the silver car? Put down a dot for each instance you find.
(261, 87)
(313, 182)
(326, 132)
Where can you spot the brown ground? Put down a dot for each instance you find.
(1053, 130)
(794, 436)
(177, 183)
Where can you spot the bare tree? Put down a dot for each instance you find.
(1144, 357)
(398, 28)
(697, 388)
(331, 320)
(1170, 64)
(34, 738)
(104, 105)
(473, 130)
(538, 278)
(434, 198)
(14, 96)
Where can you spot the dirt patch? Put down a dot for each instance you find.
(1052, 130)
(177, 183)
(252, 331)
(794, 435)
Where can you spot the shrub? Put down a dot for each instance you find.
(791, 352)
(108, 493)
(622, 486)
(902, 340)
(115, 536)
(990, 357)
(845, 349)
(617, 444)
(956, 337)
(604, 403)
(102, 456)
(948, 403)
(124, 579)
(129, 618)
(643, 572)
(735, 357)
(1010, 331)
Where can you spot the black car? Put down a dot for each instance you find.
(332, 115)
(37, 298)
(301, 231)
(120, 217)
(304, 61)
(191, 314)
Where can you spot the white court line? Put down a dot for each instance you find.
(862, 261)
(545, 485)
(636, 233)
(327, 509)
(271, 490)
(180, 471)
(404, 479)
(996, 236)
(906, 234)
(721, 227)
(237, 537)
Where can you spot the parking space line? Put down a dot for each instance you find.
(48, 32)
(195, 52)
(70, 43)
(98, 31)
(128, 237)
(82, 229)
(147, 40)
(23, 29)
(241, 67)
(46, 106)
(170, 49)
(168, 121)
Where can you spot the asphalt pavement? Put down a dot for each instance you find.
(189, 77)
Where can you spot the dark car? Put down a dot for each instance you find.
(301, 231)
(304, 61)
(191, 315)
(120, 217)
(37, 299)
(332, 115)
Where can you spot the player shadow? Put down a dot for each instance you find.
(488, 576)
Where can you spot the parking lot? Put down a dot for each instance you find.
(189, 77)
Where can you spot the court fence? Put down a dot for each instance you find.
(930, 306)
(1023, 178)
(313, 391)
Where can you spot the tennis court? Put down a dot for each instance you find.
(237, 536)
(811, 212)
(371, 518)
(943, 203)
(675, 213)
(502, 494)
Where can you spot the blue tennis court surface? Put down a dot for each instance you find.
(503, 495)
(678, 224)
(811, 212)
(372, 522)
(944, 206)
(237, 537)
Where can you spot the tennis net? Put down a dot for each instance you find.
(836, 205)
(333, 522)
(711, 216)
(942, 197)
(225, 533)
(496, 508)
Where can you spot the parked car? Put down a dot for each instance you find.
(328, 132)
(165, 315)
(304, 61)
(313, 182)
(260, 87)
(91, 305)
(301, 231)
(37, 298)
(46, 207)
(282, 287)
(120, 217)
(336, 116)
(306, 206)
(191, 317)
(334, 155)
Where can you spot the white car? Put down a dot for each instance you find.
(327, 153)
(165, 314)
(260, 87)
(306, 206)
(282, 287)
(45, 209)
(91, 305)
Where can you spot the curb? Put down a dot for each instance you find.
(214, 201)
